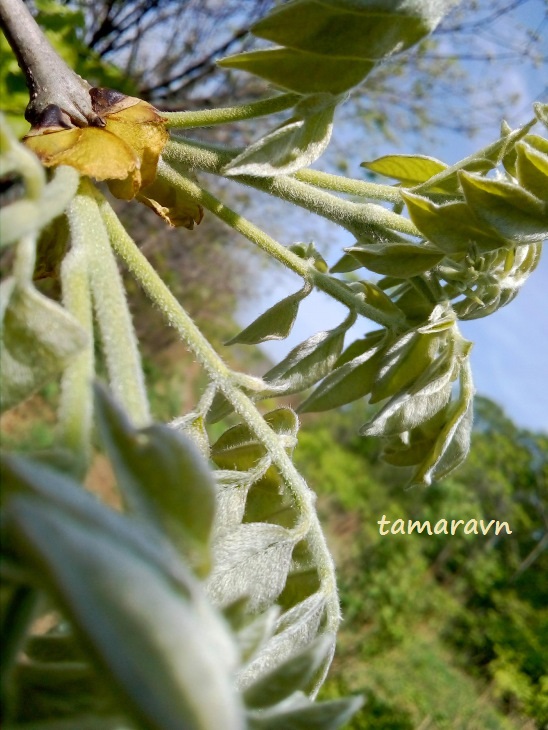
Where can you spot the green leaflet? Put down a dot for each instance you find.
(532, 169)
(452, 445)
(438, 446)
(304, 73)
(311, 360)
(251, 560)
(483, 161)
(453, 228)
(295, 629)
(514, 213)
(349, 382)
(178, 655)
(292, 675)
(163, 480)
(345, 264)
(375, 297)
(403, 362)
(331, 47)
(296, 143)
(405, 412)
(38, 339)
(298, 713)
(408, 169)
(274, 324)
(401, 260)
(330, 30)
(239, 449)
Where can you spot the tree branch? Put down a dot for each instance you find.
(50, 81)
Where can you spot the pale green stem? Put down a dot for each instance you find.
(76, 403)
(26, 216)
(364, 220)
(225, 115)
(25, 259)
(223, 378)
(112, 313)
(338, 290)
(349, 185)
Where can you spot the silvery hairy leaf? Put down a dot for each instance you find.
(178, 656)
(38, 338)
(162, 478)
(309, 361)
(238, 447)
(452, 227)
(298, 713)
(294, 674)
(404, 412)
(401, 260)
(296, 628)
(251, 560)
(515, 214)
(331, 47)
(274, 324)
(295, 144)
(532, 168)
(347, 383)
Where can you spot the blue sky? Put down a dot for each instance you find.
(510, 353)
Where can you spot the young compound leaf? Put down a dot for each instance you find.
(170, 671)
(401, 260)
(163, 479)
(330, 47)
(515, 214)
(274, 324)
(38, 338)
(252, 560)
(292, 675)
(295, 144)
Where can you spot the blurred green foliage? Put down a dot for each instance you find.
(439, 631)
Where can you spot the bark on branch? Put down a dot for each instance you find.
(50, 81)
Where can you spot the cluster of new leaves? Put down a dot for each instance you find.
(143, 646)
(480, 225)
(325, 48)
